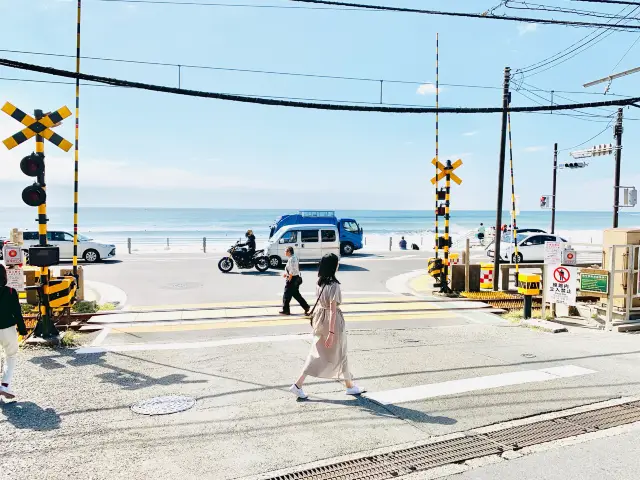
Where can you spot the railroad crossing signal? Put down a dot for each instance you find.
(37, 127)
(443, 171)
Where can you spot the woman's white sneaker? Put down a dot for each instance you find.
(355, 390)
(297, 391)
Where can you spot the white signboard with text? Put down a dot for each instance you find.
(552, 253)
(15, 278)
(12, 255)
(560, 284)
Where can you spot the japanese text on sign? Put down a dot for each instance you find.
(561, 284)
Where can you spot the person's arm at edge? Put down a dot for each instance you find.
(22, 328)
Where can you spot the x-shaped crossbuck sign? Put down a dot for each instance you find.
(37, 127)
(443, 171)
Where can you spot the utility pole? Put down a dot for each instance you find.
(503, 140)
(617, 132)
(553, 194)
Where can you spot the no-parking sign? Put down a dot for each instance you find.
(12, 255)
(561, 284)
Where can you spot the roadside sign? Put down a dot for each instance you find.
(12, 255)
(561, 284)
(15, 278)
(596, 281)
(552, 253)
(569, 257)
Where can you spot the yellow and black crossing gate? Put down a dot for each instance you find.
(437, 268)
(35, 127)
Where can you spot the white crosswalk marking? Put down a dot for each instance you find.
(422, 392)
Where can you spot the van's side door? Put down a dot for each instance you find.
(310, 248)
(330, 242)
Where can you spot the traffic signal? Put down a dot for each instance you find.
(575, 165)
(33, 166)
(544, 201)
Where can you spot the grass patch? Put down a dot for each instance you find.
(105, 307)
(27, 309)
(85, 307)
(517, 315)
(70, 339)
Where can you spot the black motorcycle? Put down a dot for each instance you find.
(238, 255)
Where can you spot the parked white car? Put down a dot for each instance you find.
(530, 247)
(310, 243)
(88, 250)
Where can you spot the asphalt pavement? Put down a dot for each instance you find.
(431, 367)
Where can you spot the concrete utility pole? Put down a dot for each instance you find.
(553, 194)
(503, 140)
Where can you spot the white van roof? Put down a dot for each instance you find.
(316, 226)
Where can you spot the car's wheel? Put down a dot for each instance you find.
(346, 249)
(91, 256)
(262, 264)
(225, 265)
(516, 258)
(275, 261)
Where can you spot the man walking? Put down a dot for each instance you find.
(292, 285)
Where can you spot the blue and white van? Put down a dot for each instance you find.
(350, 233)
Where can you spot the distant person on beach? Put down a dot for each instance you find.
(10, 318)
(292, 284)
(328, 355)
(481, 233)
(403, 244)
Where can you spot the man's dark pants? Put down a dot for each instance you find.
(292, 290)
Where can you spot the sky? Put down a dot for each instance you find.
(152, 149)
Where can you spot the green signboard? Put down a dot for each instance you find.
(594, 282)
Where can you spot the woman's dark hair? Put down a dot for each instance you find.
(3, 276)
(327, 269)
(289, 250)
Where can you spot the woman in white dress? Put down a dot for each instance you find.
(328, 355)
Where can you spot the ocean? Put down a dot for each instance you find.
(154, 225)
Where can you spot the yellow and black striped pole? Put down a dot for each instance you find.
(447, 186)
(77, 152)
(514, 227)
(437, 151)
(46, 324)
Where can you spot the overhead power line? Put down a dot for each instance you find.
(284, 103)
(347, 6)
(616, 2)
(281, 73)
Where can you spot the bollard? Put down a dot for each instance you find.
(466, 266)
(167, 243)
(390, 242)
(486, 276)
(528, 285)
(129, 245)
(204, 244)
(421, 241)
(365, 240)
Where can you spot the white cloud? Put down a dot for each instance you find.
(537, 148)
(427, 89)
(470, 134)
(525, 28)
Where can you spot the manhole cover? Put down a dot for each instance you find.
(528, 355)
(164, 405)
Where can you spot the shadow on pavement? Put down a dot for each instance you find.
(29, 416)
(390, 411)
(344, 267)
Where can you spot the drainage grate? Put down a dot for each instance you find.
(606, 417)
(534, 433)
(424, 457)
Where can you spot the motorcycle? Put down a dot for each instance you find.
(237, 256)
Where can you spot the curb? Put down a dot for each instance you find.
(544, 325)
(400, 283)
(107, 293)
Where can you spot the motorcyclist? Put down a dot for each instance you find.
(250, 245)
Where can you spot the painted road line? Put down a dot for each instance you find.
(423, 392)
(267, 322)
(101, 336)
(312, 294)
(138, 347)
(263, 303)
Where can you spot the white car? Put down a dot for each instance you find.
(530, 247)
(88, 250)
